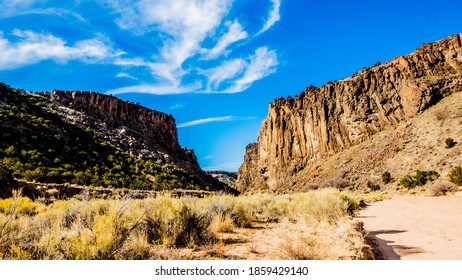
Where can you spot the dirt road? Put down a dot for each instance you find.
(416, 227)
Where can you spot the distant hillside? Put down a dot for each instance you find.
(228, 178)
(92, 139)
(304, 140)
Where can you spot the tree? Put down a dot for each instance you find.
(6, 177)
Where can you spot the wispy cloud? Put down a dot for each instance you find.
(177, 106)
(188, 45)
(274, 16)
(185, 22)
(206, 120)
(226, 71)
(207, 157)
(126, 75)
(235, 33)
(242, 73)
(216, 119)
(184, 26)
(30, 48)
(156, 89)
(260, 65)
(13, 7)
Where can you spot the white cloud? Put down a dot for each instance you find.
(207, 157)
(177, 106)
(274, 16)
(13, 7)
(184, 26)
(206, 120)
(31, 48)
(157, 89)
(216, 119)
(126, 75)
(235, 33)
(186, 23)
(262, 64)
(226, 71)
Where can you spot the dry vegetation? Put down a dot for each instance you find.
(166, 227)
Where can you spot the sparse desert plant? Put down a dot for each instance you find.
(420, 179)
(450, 143)
(455, 175)
(441, 188)
(221, 224)
(441, 115)
(372, 186)
(159, 228)
(386, 177)
(305, 248)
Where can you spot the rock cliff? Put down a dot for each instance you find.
(132, 128)
(320, 122)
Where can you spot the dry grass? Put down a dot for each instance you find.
(163, 227)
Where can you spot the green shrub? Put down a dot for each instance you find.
(407, 181)
(450, 143)
(420, 179)
(455, 175)
(6, 177)
(386, 177)
(372, 186)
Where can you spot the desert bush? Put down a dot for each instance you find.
(221, 223)
(449, 143)
(176, 222)
(420, 179)
(441, 188)
(386, 177)
(372, 186)
(156, 227)
(441, 115)
(455, 175)
(326, 205)
(6, 177)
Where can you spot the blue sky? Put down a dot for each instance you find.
(213, 64)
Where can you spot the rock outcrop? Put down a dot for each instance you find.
(321, 122)
(133, 128)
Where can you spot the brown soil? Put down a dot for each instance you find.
(415, 227)
(264, 241)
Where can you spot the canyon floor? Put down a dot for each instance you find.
(415, 227)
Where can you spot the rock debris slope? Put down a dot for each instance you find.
(322, 122)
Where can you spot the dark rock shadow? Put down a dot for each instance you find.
(383, 249)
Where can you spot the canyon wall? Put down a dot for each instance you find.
(134, 129)
(320, 122)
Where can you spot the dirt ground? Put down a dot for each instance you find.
(415, 227)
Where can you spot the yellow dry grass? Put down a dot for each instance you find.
(163, 227)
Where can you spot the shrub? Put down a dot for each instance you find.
(441, 188)
(372, 186)
(420, 179)
(6, 177)
(386, 177)
(455, 175)
(407, 181)
(450, 143)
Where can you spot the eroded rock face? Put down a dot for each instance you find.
(323, 121)
(135, 129)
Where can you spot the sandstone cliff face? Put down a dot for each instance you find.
(321, 122)
(135, 129)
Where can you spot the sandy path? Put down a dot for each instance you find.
(416, 228)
